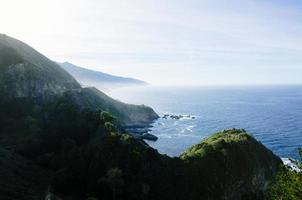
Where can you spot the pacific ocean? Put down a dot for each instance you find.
(272, 114)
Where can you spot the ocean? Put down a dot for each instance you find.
(272, 114)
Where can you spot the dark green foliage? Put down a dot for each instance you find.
(126, 114)
(113, 179)
(24, 72)
(80, 147)
(288, 184)
(9, 57)
(234, 165)
(81, 150)
(29, 127)
(141, 173)
(75, 134)
(21, 178)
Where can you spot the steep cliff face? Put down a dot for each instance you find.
(24, 72)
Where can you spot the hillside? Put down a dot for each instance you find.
(98, 79)
(128, 114)
(66, 142)
(24, 72)
(240, 166)
(117, 166)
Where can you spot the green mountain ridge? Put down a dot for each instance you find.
(61, 141)
(25, 73)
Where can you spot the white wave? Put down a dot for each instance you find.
(291, 164)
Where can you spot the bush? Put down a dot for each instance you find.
(288, 184)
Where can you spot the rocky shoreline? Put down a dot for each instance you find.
(143, 131)
(177, 117)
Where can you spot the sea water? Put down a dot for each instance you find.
(272, 114)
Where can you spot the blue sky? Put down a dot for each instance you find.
(169, 42)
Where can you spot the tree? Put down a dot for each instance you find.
(114, 179)
(107, 117)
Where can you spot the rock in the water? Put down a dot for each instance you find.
(148, 136)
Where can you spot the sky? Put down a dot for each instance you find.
(167, 42)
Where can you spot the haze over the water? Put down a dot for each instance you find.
(173, 42)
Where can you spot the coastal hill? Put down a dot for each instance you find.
(61, 141)
(25, 73)
(98, 79)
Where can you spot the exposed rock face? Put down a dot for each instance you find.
(24, 72)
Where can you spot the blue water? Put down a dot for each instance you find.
(273, 115)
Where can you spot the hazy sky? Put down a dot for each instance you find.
(205, 42)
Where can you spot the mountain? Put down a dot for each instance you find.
(232, 161)
(98, 79)
(61, 141)
(24, 72)
(129, 115)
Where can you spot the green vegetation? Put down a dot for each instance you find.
(127, 114)
(288, 184)
(24, 72)
(231, 161)
(67, 141)
(88, 159)
(216, 142)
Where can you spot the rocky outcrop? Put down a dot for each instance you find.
(232, 165)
